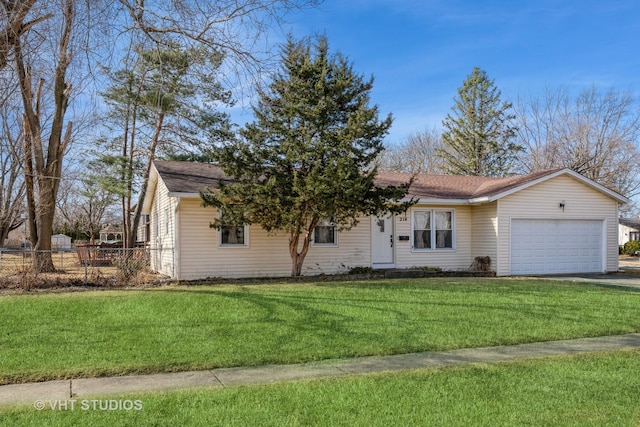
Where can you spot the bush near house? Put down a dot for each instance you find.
(631, 248)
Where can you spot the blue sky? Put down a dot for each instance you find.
(421, 51)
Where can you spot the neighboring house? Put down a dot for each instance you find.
(629, 230)
(60, 242)
(544, 223)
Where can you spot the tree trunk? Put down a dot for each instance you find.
(135, 223)
(42, 257)
(298, 256)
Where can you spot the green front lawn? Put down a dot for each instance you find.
(184, 328)
(590, 390)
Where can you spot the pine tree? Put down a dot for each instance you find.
(478, 138)
(164, 102)
(310, 154)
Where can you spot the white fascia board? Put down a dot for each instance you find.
(179, 195)
(479, 200)
(431, 201)
(152, 183)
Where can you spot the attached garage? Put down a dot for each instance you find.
(561, 224)
(556, 246)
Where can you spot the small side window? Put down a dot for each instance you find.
(233, 235)
(325, 233)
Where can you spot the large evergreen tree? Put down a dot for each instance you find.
(310, 154)
(478, 138)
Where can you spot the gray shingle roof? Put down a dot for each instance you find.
(189, 177)
(456, 186)
(630, 222)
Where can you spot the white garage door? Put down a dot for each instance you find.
(555, 246)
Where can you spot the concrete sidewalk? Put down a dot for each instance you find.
(228, 377)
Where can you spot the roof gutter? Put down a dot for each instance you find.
(434, 201)
(479, 200)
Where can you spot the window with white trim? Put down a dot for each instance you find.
(422, 229)
(325, 233)
(432, 229)
(444, 229)
(233, 235)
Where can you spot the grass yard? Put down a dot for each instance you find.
(87, 334)
(590, 390)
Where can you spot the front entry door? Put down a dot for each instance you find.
(382, 241)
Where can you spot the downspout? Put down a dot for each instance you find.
(176, 240)
(498, 237)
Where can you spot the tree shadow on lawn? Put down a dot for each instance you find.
(346, 313)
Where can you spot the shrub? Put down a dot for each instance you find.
(361, 270)
(427, 269)
(630, 248)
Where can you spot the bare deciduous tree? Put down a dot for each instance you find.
(594, 133)
(227, 29)
(39, 58)
(12, 188)
(418, 154)
(48, 45)
(84, 207)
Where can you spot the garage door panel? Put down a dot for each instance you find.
(556, 246)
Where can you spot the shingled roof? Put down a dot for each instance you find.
(630, 222)
(189, 178)
(456, 186)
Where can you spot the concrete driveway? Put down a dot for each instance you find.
(628, 276)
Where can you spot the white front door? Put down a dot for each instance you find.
(382, 241)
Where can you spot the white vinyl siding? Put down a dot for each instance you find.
(485, 232)
(542, 201)
(162, 240)
(267, 254)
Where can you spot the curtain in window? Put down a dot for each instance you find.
(422, 229)
(444, 236)
(233, 235)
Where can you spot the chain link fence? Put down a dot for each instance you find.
(82, 265)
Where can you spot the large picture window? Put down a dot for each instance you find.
(432, 229)
(325, 233)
